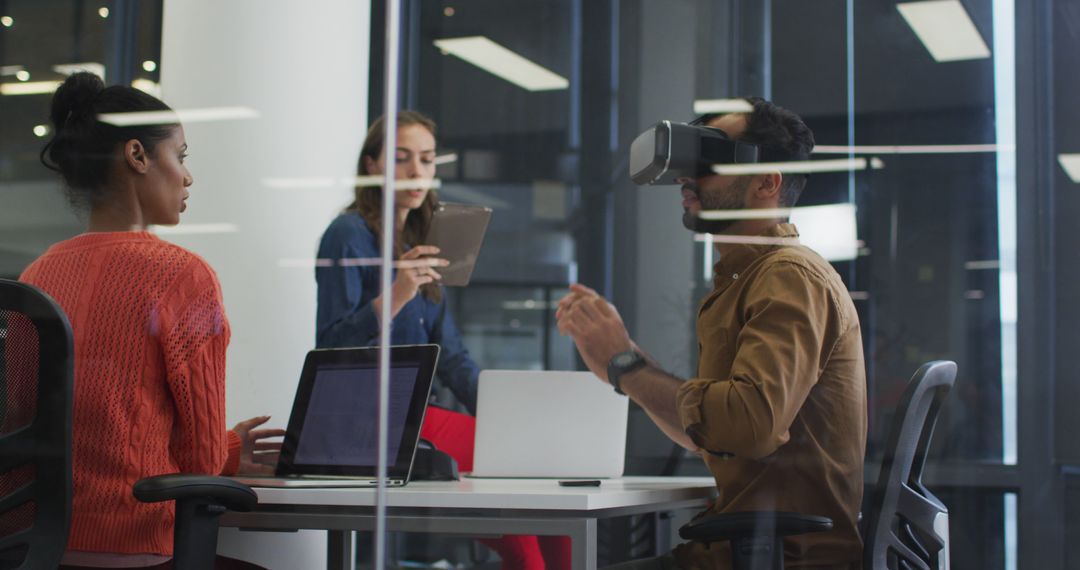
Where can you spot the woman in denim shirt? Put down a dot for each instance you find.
(349, 304)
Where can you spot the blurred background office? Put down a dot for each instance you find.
(951, 224)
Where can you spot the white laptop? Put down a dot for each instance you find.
(548, 424)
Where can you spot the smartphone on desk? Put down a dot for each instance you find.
(458, 231)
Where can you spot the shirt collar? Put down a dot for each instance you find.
(741, 256)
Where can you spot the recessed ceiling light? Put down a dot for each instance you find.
(149, 65)
(41, 130)
(448, 11)
(7, 21)
(22, 75)
(103, 12)
(1071, 164)
(29, 88)
(946, 29)
(502, 62)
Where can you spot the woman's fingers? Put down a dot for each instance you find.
(265, 433)
(419, 251)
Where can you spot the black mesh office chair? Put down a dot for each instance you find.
(36, 392)
(36, 371)
(906, 526)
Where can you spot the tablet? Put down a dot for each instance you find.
(458, 231)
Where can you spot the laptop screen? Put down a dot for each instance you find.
(333, 428)
(340, 426)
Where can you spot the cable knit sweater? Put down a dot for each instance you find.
(150, 338)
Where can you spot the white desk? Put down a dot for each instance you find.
(473, 506)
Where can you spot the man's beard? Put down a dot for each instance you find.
(729, 199)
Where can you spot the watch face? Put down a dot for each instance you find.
(624, 359)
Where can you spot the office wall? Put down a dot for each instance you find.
(302, 66)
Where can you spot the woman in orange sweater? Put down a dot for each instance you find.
(149, 328)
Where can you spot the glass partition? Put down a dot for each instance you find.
(529, 108)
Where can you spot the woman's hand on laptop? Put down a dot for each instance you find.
(257, 456)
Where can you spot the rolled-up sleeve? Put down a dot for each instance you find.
(789, 317)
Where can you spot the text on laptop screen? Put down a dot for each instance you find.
(341, 425)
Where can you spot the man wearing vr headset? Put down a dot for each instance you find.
(777, 409)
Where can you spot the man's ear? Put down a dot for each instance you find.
(136, 157)
(768, 185)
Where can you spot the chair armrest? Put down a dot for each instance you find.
(727, 526)
(230, 494)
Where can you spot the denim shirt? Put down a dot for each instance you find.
(345, 316)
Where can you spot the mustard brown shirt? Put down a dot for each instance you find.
(778, 406)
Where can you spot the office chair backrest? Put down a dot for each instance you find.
(36, 383)
(907, 525)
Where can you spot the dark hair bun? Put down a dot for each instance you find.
(82, 148)
(74, 99)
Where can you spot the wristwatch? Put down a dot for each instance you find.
(623, 363)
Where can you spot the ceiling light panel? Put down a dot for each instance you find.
(946, 29)
(502, 62)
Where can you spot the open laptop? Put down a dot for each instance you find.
(332, 440)
(548, 424)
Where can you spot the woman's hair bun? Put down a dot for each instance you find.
(74, 99)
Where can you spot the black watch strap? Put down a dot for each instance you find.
(623, 363)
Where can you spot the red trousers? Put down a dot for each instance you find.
(455, 434)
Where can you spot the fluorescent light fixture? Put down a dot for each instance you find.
(710, 106)
(946, 29)
(797, 167)
(11, 69)
(1071, 164)
(498, 60)
(299, 183)
(147, 86)
(94, 67)
(29, 88)
(195, 229)
(830, 230)
(378, 179)
(203, 115)
(910, 149)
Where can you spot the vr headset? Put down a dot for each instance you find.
(668, 151)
